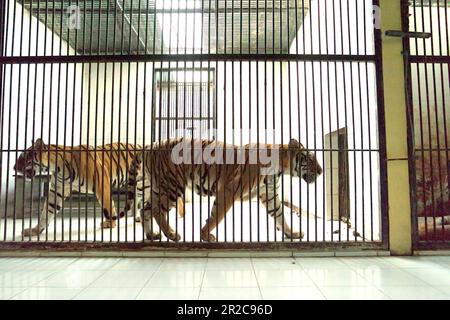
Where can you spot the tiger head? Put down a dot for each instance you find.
(29, 162)
(304, 163)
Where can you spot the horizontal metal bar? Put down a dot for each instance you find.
(145, 11)
(429, 59)
(178, 246)
(187, 58)
(403, 34)
(432, 149)
(433, 245)
(181, 119)
(165, 149)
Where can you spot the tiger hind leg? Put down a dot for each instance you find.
(222, 204)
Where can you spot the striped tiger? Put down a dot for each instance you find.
(82, 168)
(225, 181)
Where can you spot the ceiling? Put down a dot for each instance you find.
(176, 26)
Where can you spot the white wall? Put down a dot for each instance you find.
(113, 98)
(39, 100)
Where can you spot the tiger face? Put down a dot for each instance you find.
(28, 162)
(304, 163)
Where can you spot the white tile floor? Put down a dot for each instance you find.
(225, 278)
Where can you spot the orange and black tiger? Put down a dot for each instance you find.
(226, 172)
(81, 168)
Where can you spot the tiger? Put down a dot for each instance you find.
(226, 182)
(81, 168)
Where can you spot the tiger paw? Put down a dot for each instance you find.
(31, 232)
(153, 236)
(208, 237)
(174, 236)
(295, 235)
(108, 224)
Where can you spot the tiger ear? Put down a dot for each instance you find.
(294, 144)
(39, 144)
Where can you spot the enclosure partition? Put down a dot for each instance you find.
(138, 72)
(428, 71)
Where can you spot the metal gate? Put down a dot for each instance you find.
(427, 60)
(284, 71)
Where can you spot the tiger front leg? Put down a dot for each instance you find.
(53, 204)
(274, 205)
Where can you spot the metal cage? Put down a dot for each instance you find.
(95, 72)
(427, 75)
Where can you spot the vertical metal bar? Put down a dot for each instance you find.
(18, 114)
(50, 124)
(322, 128)
(381, 134)
(233, 109)
(113, 102)
(74, 95)
(58, 99)
(84, 152)
(177, 102)
(95, 144)
(413, 169)
(444, 104)
(307, 123)
(201, 103)
(169, 102)
(4, 30)
(33, 125)
(281, 118)
(257, 122)
(273, 100)
(328, 66)
(160, 110)
(429, 128)
(66, 102)
(209, 104)
(144, 143)
(265, 103)
(352, 102)
(105, 83)
(216, 100)
(361, 129)
(121, 86)
(225, 99)
(241, 36)
(369, 126)
(314, 127)
(436, 121)
(9, 122)
(412, 143)
(344, 92)
(152, 112)
(127, 142)
(298, 93)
